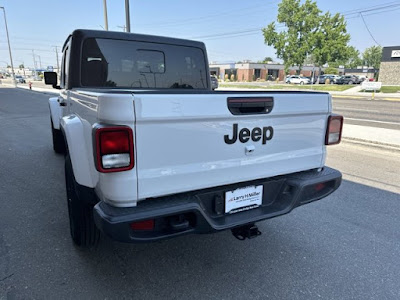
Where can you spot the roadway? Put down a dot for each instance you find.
(374, 113)
(343, 247)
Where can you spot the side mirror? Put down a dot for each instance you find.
(51, 78)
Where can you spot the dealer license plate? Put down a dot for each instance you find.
(243, 199)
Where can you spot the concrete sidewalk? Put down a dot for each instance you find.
(41, 88)
(388, 138)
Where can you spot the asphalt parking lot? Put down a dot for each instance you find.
(346, 246)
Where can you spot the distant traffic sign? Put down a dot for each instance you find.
(371, 85)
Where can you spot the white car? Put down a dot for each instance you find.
(299, 80)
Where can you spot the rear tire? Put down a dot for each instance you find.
(58, 139)
(84, 232)
(301, 82)
(350, 82)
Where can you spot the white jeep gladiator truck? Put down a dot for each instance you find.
(151, 152)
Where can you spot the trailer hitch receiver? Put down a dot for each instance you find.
(248, 231)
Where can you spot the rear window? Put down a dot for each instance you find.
(131, 64)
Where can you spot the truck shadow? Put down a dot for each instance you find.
(312, 244)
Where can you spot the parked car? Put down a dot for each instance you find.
(314, 81)
(348, 79)
(214, 83)
(20, 79)
(288, 78)
(332, 78)
(362, 79)
(299, 80)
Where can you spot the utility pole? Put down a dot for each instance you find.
(128, 20)
(105, 14)
(58, 65)
(34, 65)
(24, 68)
(9, 47)
(40, 62)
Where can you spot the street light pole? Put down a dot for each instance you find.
(127, 17)
(105, 14)
(34, 64)
(58, 64)
(9, 47)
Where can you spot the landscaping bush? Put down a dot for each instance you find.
(331, 70)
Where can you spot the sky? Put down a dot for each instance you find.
(231, 29)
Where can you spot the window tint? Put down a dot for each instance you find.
(130, 64)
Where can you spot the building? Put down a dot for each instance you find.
(254, 71)
(389, 73)
(362, 72)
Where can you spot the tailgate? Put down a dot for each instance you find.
(187, 142)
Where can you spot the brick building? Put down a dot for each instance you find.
(254, 71)
(389, 71)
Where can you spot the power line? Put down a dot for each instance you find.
(227, 33)
(374, 7)
(374, 13)
(253, 31)
(366, 26)
(212, 16)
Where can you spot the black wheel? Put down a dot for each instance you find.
(350, 82)
(301, 82)
(83, 230)
(58, 139)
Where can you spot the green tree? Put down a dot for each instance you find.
(372, 56)
(353, 59)
(308, 35)
(21, 66)
(298, 41)
(332, 40)
(265, 60)
(8, 66)
(310, 60)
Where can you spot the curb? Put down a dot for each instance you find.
(391, 147)
(379, 98)
(49, 92)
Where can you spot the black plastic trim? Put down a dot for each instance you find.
(281, 195)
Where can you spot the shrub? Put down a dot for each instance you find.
(331, 70)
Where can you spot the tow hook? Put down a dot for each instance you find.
(247, 231)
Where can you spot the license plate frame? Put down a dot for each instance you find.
(243, 199)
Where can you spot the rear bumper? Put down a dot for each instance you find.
(203, 211)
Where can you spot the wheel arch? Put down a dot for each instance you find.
(55, 112)
(78, 140)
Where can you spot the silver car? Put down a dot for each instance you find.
(214, 83)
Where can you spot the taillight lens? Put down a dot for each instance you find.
(334, 130)
(114, 149)
(143, 225)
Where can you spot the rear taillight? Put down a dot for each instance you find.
(114, 149)
(334, 130)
